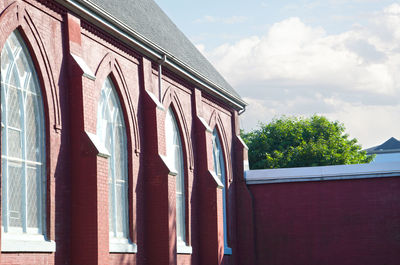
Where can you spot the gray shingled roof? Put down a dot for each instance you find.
(390, 145)
(146, 18)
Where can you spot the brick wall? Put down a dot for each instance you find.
(347, 222)
(77, 198)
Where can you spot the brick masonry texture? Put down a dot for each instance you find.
(77, 192)
(349, 222)
(329, 222)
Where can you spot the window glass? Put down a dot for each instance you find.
(219, 167)
(112, 132)
(23, 141)
(175, 158)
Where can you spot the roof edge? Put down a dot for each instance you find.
(98, 16)
(323, 173)
(380, 151)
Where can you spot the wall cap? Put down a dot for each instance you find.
(219, 183)
(205, 124)
(155, 100)
(101, 149)
(167, 163)
(84, 67)
(323, 173)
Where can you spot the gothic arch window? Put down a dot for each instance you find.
(219, 168)
(23, 160)
(175, 158)
(112, 132)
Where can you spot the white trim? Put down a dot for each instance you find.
(220, 185)
(205, 124)
(155, 100)
(324, 173)
(182, 248)
(101, 149)
(26, 243)
(242, 142)
(122, 245)
(246, 165)
(167, 163)
(87, 72)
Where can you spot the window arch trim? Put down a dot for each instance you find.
(107, 70)
(41, 241)
(171, 99)
(39, 56)
(109, 67)
(183, 246)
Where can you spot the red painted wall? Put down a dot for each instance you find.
(346, 222)
(77, 178)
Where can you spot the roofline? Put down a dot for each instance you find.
(324, 173)
(99, 17)
(383, 151)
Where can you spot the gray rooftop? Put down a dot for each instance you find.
(391, 145)
(147, 19)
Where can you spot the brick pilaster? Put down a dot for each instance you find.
(244, 202)
(160, 230)
(89, 172)
(210, 190)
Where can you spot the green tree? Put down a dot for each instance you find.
(301, 142)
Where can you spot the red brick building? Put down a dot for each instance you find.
(119, 140)
(120, 146)
(347, 214)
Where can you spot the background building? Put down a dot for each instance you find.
(389, 151)
(345, 214)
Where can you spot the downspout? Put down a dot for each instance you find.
(160, 63)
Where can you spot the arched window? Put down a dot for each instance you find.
(219, 167)
(112, 132)
(175, 157)
(23, 169)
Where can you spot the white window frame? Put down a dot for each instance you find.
(113, 120)
(23, 238)
(219, 168)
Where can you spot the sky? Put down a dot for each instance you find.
(337, 58)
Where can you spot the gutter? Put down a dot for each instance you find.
(101, 18)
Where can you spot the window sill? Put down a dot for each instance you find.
(183, 249)
(227, 251)
(26, 243)
(122, 246)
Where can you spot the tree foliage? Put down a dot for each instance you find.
(301, 142)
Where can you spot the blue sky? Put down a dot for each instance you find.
(215, 22)
(338, 58)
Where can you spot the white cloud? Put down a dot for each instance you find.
(295, 68)
(223, 20)
(370, 124)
